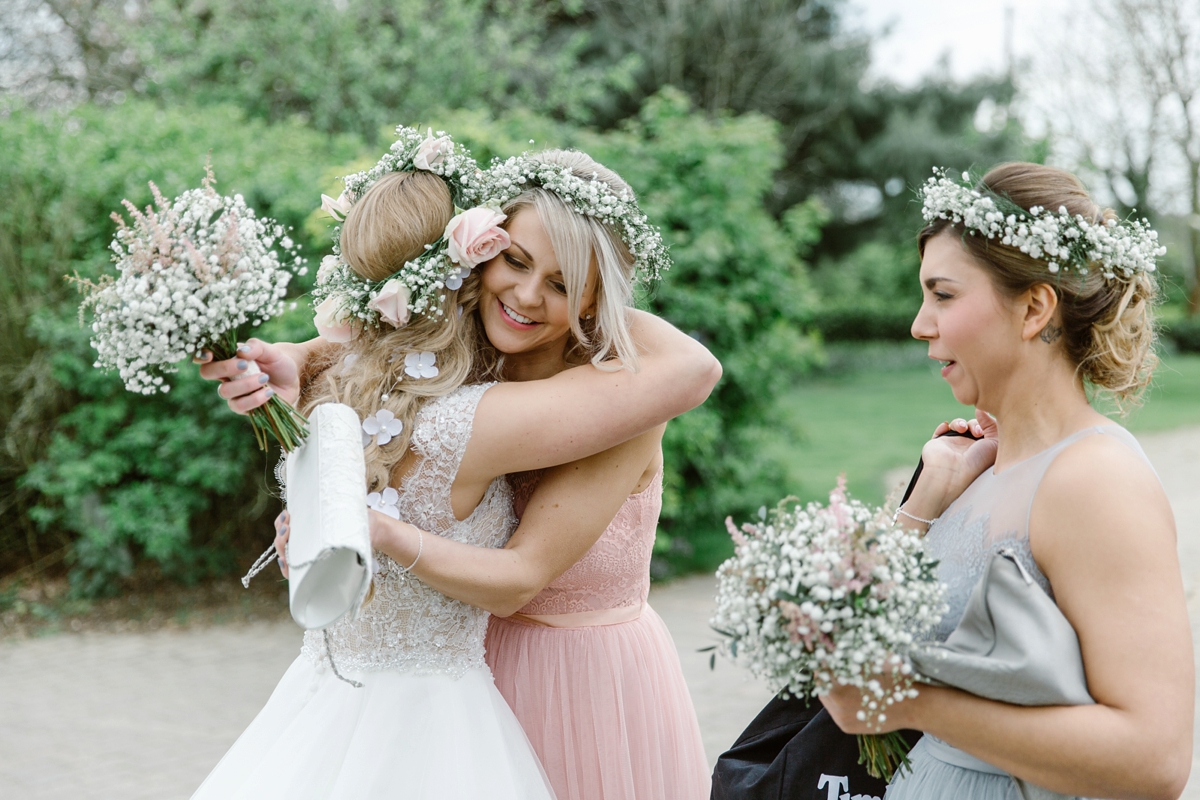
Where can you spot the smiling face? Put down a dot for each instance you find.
(970, 327)
(523, 299)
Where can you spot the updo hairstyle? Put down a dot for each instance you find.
(1108, 326)
(389, 225)
(580, 241)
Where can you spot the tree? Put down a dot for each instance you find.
(1126, 109)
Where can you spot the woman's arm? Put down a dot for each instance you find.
(582, 411)
(570, 509)
(1103, 533)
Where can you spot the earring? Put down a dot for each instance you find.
(587, 316)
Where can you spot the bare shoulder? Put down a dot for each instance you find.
(1099, 499)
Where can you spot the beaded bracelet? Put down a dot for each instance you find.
(899, 511)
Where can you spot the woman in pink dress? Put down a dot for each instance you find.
(587, 666)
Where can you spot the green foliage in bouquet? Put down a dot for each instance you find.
(112, 479)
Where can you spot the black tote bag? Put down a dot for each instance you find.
(793, 750)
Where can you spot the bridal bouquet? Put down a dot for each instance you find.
(816, 594)
(191, 273)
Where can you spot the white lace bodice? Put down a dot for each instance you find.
(408, 626)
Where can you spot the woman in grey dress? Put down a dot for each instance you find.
(1027, 329)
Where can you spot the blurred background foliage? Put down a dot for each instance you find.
(782, 177)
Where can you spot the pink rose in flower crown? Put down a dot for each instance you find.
(392, 303)
(432, 152)
(338, 209)
(475, 236)
(333, 322)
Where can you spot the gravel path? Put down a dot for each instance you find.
(147, 715)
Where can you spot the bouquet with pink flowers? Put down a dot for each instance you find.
(816, 594)
(192, 273)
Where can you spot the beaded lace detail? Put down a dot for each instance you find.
(408, 626)
(993, 514)
(615, 572)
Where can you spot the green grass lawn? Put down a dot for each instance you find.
(873, 416)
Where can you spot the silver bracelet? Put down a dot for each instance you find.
(420, 547)
(899, 511)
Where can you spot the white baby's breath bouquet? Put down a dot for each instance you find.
(192, 272)
(815, 595)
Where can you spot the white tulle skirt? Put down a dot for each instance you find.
(417, 737)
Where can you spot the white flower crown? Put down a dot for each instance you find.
(345, 302)
(1120, 250)
(590, 197)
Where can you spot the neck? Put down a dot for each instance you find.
(536, 365)
(1039, 407)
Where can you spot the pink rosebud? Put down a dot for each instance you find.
(432, 152)
(332, 321)
(338, 209)
(392, 303)
(475, 236)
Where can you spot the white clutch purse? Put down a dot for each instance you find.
(329, 549)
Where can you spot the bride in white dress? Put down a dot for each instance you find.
(427, 721)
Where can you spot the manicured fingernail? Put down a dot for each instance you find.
(242, 364)
(206, 356)
(264, 378)
(270, 392)
(282, 530)
(243, 348)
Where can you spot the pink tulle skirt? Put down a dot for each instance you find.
(605, 707)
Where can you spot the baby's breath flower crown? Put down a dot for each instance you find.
(590, 197)
(426, 276)
(1120, 250)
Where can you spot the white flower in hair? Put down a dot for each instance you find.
(421, 365)
(385, 502)
(382, 425)
(455, 281)
(338, 209)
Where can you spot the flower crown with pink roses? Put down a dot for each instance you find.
(345, 302)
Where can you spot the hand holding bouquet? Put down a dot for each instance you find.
(192, 272)
(815, 595)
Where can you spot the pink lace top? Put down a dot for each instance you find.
(615, 572)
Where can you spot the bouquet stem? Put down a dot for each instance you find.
(276, 420)
(883, 754)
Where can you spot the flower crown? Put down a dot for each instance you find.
(345, 302)
(1120, 250)
(590, 197)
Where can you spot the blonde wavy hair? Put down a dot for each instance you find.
(391, 224)
(579, 241)
(1109, 329)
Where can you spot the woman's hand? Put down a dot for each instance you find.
(844, 702)
(245, 388)
(281, 539)
(952, 463)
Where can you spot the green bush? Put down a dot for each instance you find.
(1185, 333)
(870, 294)
(170, 480)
